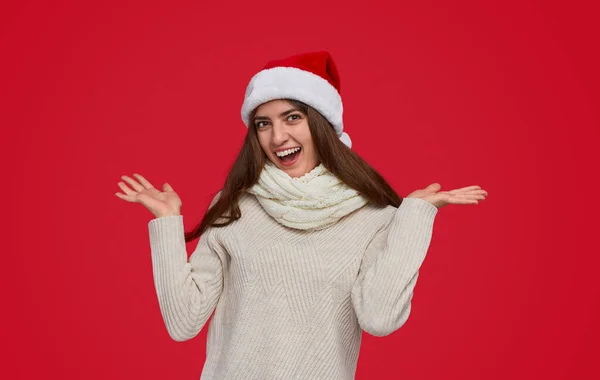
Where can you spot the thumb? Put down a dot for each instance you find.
(434, 187)
(167, 187)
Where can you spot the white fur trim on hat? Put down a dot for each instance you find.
(294, 83)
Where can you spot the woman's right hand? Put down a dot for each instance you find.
(160, 203)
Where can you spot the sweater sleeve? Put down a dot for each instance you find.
(382, 292)
(187, 291)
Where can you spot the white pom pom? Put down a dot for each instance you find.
(346, 139)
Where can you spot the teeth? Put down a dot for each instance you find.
(286, 152)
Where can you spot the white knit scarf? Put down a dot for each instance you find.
(314, 201)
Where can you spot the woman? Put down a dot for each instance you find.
(304, 247)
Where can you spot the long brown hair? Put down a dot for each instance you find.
(333, 153)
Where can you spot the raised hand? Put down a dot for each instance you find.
(462, 196)
(160, 203)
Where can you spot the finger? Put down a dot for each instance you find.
(466, 202)
(474, 196)
(468, 188)
(434, 187)
(481, 191)
(125, 197)
(459, 200)
(126, 189)
(143, 181)
(471, 192)
(167, 187)
(468, 196)
(133, 183)
(481, 194)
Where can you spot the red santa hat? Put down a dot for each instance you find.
(311, 78)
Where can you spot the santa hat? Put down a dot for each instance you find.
(311, 78)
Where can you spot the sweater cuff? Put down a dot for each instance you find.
(167, 236)
(418, 206)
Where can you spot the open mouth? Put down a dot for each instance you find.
(290, 157)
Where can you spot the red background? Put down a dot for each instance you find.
(499, 94)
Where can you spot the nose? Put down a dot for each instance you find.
(280, 133)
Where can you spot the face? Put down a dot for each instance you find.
(282, 129)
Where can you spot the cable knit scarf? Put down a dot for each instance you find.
(314, 201)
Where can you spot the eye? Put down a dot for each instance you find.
(258, 124)
(294, 115)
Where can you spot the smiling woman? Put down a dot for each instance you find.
(281, 124)
(305, 246)
(284, 136)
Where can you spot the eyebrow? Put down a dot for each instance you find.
(281, 115)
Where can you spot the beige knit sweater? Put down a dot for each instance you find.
(290, 304)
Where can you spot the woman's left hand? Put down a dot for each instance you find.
(462, 196)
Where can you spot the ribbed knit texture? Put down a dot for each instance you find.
(290, 304)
